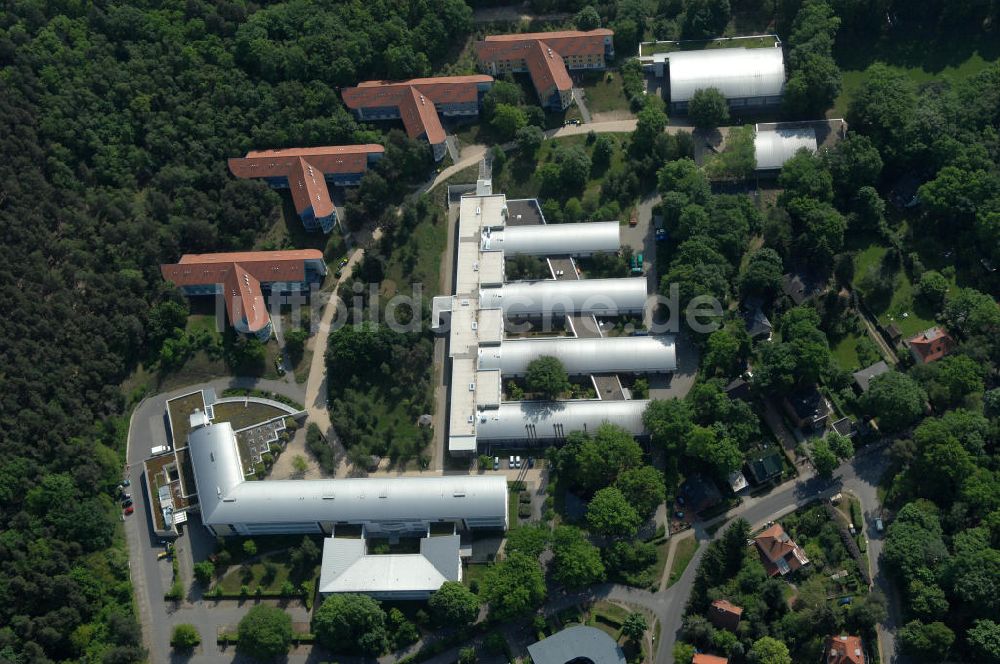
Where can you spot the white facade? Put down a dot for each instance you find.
(738, 73)
(231, 505)
(602, 355)
(548, 421)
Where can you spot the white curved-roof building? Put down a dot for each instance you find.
(232, 505)
(547, 421)
(561, 239)
(644, 354)
(745, 76)
(550, 296)
(773, 147)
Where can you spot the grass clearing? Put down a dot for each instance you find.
(603, 92)
(473, 573)
(952, 56)
(682, 558)
(418, 261)
(756, 41)
(845, 353)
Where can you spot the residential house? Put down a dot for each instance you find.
(738, 389)
(778, 552)
(307, 172)
(807, 408)
(737, 481)
(725, 615)
(243, 278)
(844, 650)
(700, 493)
(702, 658)
(801, 288)
(418, 102)
(546, 57)
(765, 467)
(864, 377)
(930, 345)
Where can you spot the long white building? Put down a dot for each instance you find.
(232, 505)
(601, 355)
(558, 239)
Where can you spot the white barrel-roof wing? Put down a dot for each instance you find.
(226, 498)
(652, 354)
(562, 239)
(554, 420)
(586, 296)
(735, 72)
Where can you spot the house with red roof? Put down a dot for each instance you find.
(418, 102)
(844, 650)
(702, 658)
(243, 278)
(725, 615)
(307, 173)
(930, 345)
(778, 552)
(547, 57)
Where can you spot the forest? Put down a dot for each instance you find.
(116, 120)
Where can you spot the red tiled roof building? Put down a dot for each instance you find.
(725, 615)
(307, 172)
(930, 345)
(844, 650)
(778, 552)
(547, 56)
(702, 658)
(418, 101)
(238, 277)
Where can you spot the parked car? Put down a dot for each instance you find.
(129, 509)
(126, 496)
(517, 462)
(496, 463)
(126, 503)
(680, 500)
(634, 219)
(878, 525)
(162, 554)
(343, 261)
(127, 482)
(160, 449)
(679, 514)
(510, 462)
(531, 462)
(844, 601)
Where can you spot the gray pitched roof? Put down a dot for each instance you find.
(577, 642)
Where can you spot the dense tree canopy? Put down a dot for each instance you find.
(708, 109)
(453, 604)
(513, 586)
(265, 632)
(546, 376)
(576, 562)
(351, 623)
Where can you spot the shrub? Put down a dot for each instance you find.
(185, 636)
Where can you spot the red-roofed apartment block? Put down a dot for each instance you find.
(778, 552)
(844, 650)
(547, 56)
(239, 276)
(418, 101)
(307, 172)
(930, 345)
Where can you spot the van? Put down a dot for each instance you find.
(160, 449)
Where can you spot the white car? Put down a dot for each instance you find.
(517, 462)
(510, 462)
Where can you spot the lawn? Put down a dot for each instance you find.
(203, 323)
(682, 558)
(845, 353)
(603, 92)
(242, 415)
(901, 309)
(472, 574)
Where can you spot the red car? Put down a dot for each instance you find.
(129, 509)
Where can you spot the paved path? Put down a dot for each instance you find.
(580, 97)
